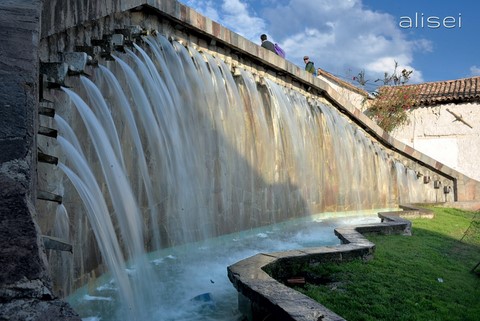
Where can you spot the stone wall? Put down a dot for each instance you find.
(359, 98)
(24, 280)
(80, 27)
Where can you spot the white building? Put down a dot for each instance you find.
(358, 97)
(445, 123)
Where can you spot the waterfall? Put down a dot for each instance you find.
(62, 261)
(165, 146)
(99, 218)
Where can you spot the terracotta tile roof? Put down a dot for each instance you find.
(441, 92)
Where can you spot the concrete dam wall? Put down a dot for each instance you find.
(224, 157)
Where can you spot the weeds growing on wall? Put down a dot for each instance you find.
(390, 108)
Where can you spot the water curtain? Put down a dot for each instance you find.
(174, 148)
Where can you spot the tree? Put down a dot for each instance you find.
(390, 108)
(392, 102)
(395, 78)
(360, 78)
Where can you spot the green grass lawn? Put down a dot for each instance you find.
(426, 276)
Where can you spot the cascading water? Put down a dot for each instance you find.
(61, 230)
(174, 149)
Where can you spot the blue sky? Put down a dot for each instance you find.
(345, 37)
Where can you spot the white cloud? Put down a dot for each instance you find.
(206, 8)
(349, 37)
(387, 65)
(474, 71)
(236, 15)
(423, 45)
(338, 35)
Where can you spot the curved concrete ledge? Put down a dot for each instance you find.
(262, 297)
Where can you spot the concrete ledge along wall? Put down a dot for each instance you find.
(68, 24)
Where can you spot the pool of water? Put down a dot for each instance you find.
(191, 281)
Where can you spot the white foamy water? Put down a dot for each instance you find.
(191, 280)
